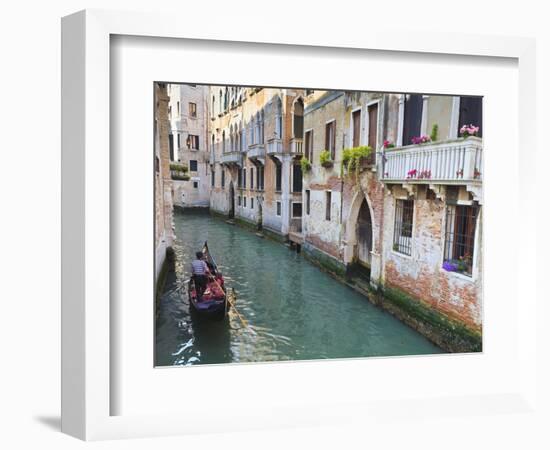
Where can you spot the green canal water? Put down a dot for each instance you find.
(294, 310)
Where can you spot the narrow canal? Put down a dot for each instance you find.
(294, 310)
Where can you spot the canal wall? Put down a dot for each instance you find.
(444, 331)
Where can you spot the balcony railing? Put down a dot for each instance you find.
(232, 158)
(274, 146)
(256, 151)
(448, 161)
(297, 146)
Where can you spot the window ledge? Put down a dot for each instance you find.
(459, 275)
(401, 255)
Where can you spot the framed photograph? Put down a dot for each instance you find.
(295, 223)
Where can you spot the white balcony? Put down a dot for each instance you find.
(274, 146)
(297, 146)
(256, 152)
(235, 158)
(453, 161)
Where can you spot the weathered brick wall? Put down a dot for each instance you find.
(421, 275)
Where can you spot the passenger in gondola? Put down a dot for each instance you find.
(200, 273)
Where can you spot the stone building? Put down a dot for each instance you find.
(256, 142)
(189, 154)
(407, 217)
(164, 234)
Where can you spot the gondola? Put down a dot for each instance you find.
(214, 303)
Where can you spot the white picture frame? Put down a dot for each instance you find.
(87, 328)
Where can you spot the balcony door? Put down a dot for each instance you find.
(412, 117)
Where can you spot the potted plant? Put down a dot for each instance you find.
(420, 139)
(435, 132)
(326, 160)
(305, 164)
(356, 158)
(388, 144)
(469, 130)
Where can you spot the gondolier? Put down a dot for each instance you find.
(200, 272)
(207, 295)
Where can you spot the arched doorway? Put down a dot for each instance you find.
(364, 235)
(231, 200)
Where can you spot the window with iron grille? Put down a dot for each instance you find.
(251, 202)
(328, 205)
(278, 208)
(213, 178)
(193, 166)
(244, 200)
(296, 210)
(223, 178)
(308, 201)
(239, 200)
(402, 231)
(244, 179)
(460, 238)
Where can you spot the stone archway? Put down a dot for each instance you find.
(359, 220)
(363, 232)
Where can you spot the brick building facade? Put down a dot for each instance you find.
(188, 113)
(256, 173)
(408, 219)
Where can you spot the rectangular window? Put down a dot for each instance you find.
(278, 176)
(179, 145)
(373, 125)
(213, 178)
(171, 146)
(261, 178)
(402, 231)
(278, 208)
(195, 184)
(308, 200)
(193, 166)
(412, 118)
(251, 202)
(330, 138)
(239, 177)
(192, 109)
(308, 145)
(470, 113)
(252, 178)
(296, 178)
(239, 200)
(244, 178)
(460, 237)
(244, 200)
(193, 142)
(296, 210)
(328, 205)
(223, 178)
(178, 108)
(356, 130)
